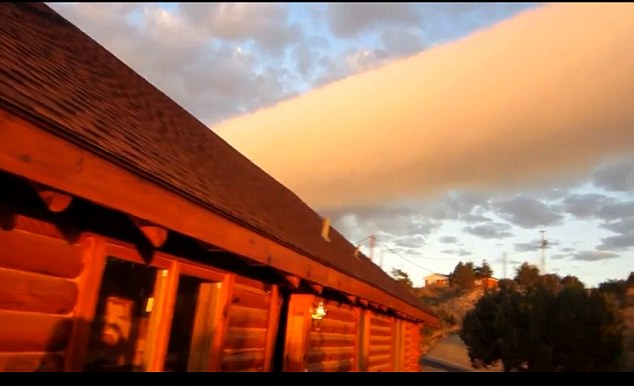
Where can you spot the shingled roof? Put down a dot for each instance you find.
(52, 71)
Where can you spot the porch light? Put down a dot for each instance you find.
(319, 312)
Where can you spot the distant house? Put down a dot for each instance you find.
(486, 283)
(437, 280)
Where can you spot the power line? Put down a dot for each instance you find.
(408, 260)
(362, 240)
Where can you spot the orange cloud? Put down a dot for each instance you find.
(543, 93)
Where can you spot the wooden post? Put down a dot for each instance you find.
(297, 332)
(89, 283)
(364, 339)
(271, 334)
(161, 317)
(221, 318)
(399, 347)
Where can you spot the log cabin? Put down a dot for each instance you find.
(133, 238)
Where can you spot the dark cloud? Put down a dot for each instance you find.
(535, 245)
(403, 251)
(594, 255)
(413, 242)
(584, 205)
(459, 252)
(617, 176)
(617, 210)
(399, 42)
(527, 247)
(398, 222)
(490, 231)
(448, 239)
(473, 218)
(214, 79)
(349, 19)
(624, 225)
(438, 19)
(464, 205)
(559, 256)
(527, 212)
(617, 243)
(267, 24)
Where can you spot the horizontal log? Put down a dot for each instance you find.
(26, 331)
(383, 367)
(380, 341)
(325, 354)
(380, 331)
(332, 366)
(242, 360)
(46, 362)
(248, 317)
(333, 326)
(250, 284)
(240, 338)
(340, 313)
(379, 350)
(245, 298)
(321, 339)
(25, 291)
(381, 321)
(379, 360)
(40, 254)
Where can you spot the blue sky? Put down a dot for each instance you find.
(221, 61)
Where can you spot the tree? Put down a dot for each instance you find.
(463, 276)
(483, 271)
(544, 327)
(527, 275)
(403, 278)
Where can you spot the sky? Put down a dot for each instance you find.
(453, 132)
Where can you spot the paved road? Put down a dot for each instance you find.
(450, 355)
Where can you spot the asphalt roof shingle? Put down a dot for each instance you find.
(52, 70)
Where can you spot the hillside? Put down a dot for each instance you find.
(450, 305)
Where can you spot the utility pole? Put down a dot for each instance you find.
(372, 242)
(543, 246)
(504, 262)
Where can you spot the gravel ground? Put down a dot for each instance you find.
(450, 354)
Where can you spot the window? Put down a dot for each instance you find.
(118, 334)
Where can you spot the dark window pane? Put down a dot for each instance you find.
(119, 331)
(191, 330)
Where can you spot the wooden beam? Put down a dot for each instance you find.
(325, 229)
(316, 287)
(7, 217)
(55, 201)
(352, 299)
(364, 302)
(36, 154)
(155, 234)
(292, 280)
